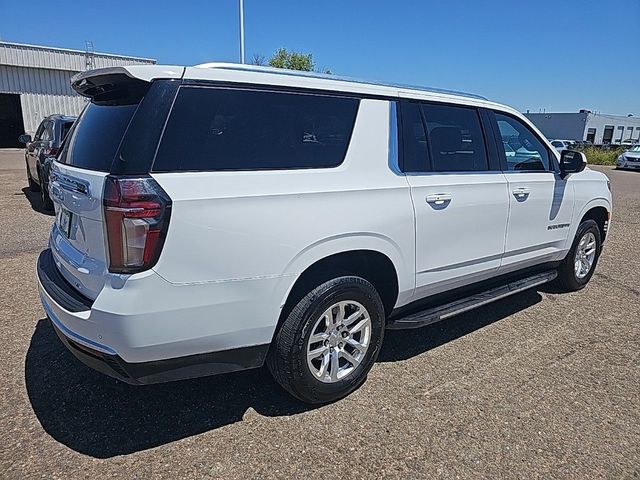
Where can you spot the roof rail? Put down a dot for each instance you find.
(324, 76)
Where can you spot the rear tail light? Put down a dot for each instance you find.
(136, 212)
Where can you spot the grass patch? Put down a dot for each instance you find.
(599, 156)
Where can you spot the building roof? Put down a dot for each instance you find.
(53, 58)
(585, 114)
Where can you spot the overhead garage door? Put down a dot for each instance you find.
(11, 125)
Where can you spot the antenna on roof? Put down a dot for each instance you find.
(89, 56)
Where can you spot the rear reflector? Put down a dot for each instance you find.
(136, 212)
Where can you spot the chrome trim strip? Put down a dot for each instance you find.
(497, 256)
(70, 184)
(322, 76)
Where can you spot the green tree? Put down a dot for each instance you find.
(292, 60)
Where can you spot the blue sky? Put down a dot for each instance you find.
(557, 55)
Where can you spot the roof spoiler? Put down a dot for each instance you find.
(110, 86)
(120, 85)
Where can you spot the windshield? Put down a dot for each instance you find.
(635, 148)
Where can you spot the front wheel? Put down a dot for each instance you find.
(577, 268)
(330, 340)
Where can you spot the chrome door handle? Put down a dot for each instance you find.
(439, 198)
(521, 193)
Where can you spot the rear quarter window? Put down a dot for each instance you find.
(212, 129)
(97, 136)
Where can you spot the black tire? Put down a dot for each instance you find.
(33, 186)
(567, 279)
(287, 358)
(47, 204)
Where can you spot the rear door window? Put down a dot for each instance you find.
(213, 129)
(97, 136)
(414, 139)
(442, 138)
(456, 140)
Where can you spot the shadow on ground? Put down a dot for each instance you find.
(35, 200)
(102, 417)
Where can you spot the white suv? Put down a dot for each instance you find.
(219, 217)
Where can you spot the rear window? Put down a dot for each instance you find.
(97, 135)
(227, 129)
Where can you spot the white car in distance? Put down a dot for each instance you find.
(561, 145)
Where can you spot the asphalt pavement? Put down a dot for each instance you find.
(539, 385)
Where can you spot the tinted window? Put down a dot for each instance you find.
(97, 135)
(225, 129)
(455, 141)
(526, 151)
(38, 133)
(46, 133)
(414, 139)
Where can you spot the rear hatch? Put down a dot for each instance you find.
(115, 134)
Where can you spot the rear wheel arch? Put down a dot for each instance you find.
(374, 266)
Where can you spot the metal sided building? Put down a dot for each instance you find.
(597, 128)
(35, 83)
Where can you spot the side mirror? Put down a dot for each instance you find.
(24, 138)
(572, 161)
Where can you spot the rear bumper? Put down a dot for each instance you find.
(81, 328)
(159, 371)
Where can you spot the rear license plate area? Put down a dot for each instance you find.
(64, 221)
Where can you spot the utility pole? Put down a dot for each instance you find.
(241, 4)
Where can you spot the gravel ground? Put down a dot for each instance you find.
(539, 385)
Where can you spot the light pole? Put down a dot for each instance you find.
(241, 4)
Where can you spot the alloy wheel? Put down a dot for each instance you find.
(339, 341)
(585, 255)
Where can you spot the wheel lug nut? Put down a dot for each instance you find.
(345, 334)
(326, 343)
(340, 345)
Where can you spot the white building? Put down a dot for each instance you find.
(597, 128)
(35, 83)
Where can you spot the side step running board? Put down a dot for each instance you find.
(442, 312)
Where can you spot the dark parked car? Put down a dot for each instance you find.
(40, 150)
